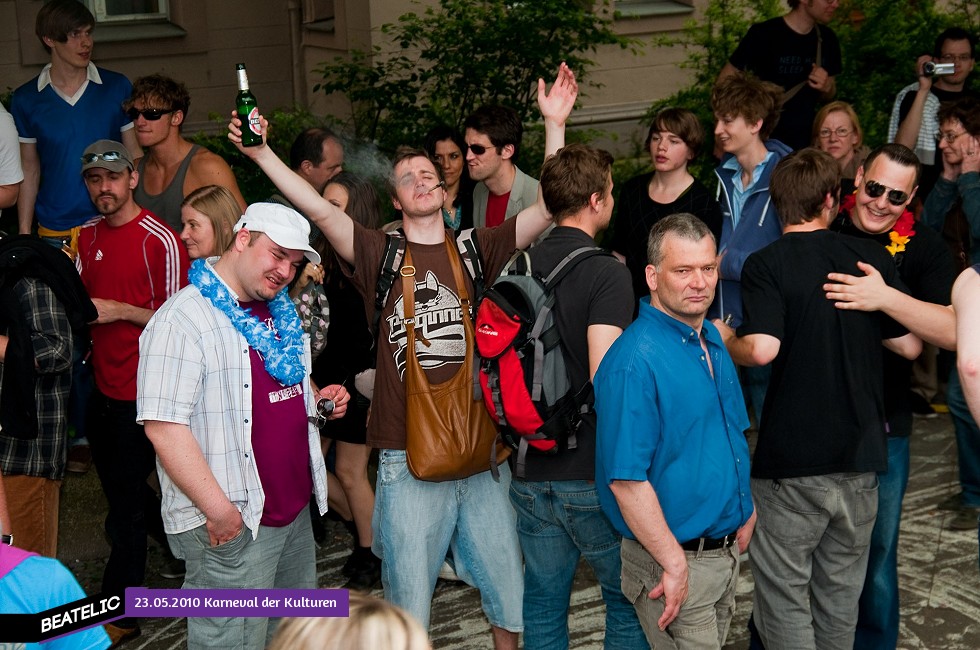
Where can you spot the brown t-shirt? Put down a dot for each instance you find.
(437, 311)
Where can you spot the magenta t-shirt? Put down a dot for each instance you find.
(279, 438)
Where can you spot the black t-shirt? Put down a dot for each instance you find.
(774, 52)
(596, 292)
(927, 269)
(929, 174)
(824, 410)
(636, 213)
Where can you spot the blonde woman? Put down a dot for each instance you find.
(837, 131)
(207, 216)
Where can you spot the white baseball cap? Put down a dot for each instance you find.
(283, 225)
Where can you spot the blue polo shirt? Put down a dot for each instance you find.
(663, 418)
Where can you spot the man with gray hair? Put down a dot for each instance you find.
(226, 399)
(680, 549)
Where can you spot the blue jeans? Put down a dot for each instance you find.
(416, 522)
(877, 625)
(967, 440)
(278, 558)
(557, 522)
(810, 557)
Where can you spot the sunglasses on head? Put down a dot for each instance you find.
(149, 114)
(108, 156)
(874, 189)
(477, 149)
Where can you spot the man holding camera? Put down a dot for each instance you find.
(942, 78)
(225, 396)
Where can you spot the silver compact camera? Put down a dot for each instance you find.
(933, 69)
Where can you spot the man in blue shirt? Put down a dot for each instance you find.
(672, 461)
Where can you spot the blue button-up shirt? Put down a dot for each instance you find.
(663, 418)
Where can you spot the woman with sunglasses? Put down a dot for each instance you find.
(446, 146)
(837, 131)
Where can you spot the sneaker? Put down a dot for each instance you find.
(174, 569)
(952, 502)
(79, 459)
(921, 408)
(120, 635)
(447, 572)
(965, 519)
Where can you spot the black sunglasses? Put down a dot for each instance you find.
(874, 189)
(149, 114)
(477, 149)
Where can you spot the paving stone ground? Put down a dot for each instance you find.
(939, 577)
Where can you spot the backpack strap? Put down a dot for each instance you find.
(391, 263)
(469, 250)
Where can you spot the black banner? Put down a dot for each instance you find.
(61, 620)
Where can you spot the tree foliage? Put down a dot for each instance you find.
(443, 61)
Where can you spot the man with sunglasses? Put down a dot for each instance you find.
(173, 167)
(914, 114)
(68, 106)
(879, 211)
(130, 263)
(493, 140)
(822, 436)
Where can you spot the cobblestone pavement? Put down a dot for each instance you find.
(940, 583)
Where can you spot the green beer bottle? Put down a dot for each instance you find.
(248, 111)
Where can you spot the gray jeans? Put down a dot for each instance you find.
(279, 558)
(810, 557)
(704, 618)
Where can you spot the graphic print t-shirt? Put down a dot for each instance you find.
(279, 437)
(438, 318)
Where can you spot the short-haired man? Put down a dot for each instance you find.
(415, 521)
(799, 53)
(172, 166)
(813, 474)
(558, 515)
(886, 183)
(672, 461)
(64, 109)
(493, 140)
(237, 467)
(130, 263)
(914, 120)
(317, 155)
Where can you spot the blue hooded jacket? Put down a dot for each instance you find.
(757, 227)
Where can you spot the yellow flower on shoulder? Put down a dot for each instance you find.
(898, 243)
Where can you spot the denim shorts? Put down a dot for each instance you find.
(416, 522)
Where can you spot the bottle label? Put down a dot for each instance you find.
(254, 124)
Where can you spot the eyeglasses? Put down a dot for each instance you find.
(874, 189)
(149, 114)
(477, 149)
(107, 156)
(950, 138)
(839, 132)
(324, 408)
(953, 58)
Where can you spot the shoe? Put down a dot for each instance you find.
(446, 572)
(365, 572)
(965, 519)
(79, 459)
(174, 569)
(921, 408)
(952, 502)
(120, 635)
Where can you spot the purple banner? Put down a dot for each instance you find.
(177, 603)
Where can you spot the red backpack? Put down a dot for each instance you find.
(522, 370)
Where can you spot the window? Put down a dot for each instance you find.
(115, 11)
(640, 8)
